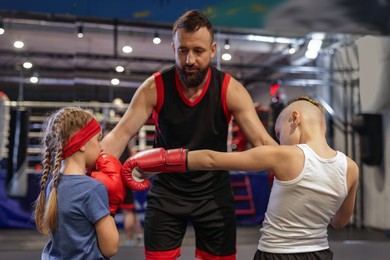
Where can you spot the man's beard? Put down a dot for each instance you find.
(192, 80)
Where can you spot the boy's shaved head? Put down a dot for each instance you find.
(312, 101)
(305, 104)
(311, 110)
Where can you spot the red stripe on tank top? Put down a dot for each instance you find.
(225, 85)
(160, 90)
(160, 98)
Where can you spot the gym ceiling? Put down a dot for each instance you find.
(68, 66)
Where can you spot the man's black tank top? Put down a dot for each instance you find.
(200, 124)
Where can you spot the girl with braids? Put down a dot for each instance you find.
(73, 209)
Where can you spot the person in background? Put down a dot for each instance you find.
(73, 209)
(191, 104)
(131, 224)
(314, 184)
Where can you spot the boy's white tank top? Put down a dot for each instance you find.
(300, 210)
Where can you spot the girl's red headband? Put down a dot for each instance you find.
(80, 138)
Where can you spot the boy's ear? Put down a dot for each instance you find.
(295, 118)
(82, 148)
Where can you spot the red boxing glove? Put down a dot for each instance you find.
(109, 173)
(131, 180)
(152, 162)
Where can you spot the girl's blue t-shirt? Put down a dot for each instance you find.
(82, 201)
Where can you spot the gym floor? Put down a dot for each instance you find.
(347, 244)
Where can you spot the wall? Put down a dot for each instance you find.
(374, 54)
(369, 59)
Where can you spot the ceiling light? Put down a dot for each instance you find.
(34, 78)
(291, 49)
(226, 56)
(2, 31)
(18, 44)
(119, 68)
(313, 47)
(270, 39)
(80, 31)
(227, 44)
(27, 65)
(127, 49)
(115, 81)
(156, 39)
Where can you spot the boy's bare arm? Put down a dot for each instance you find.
(343, 215)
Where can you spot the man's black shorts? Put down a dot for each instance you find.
(214, 222)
